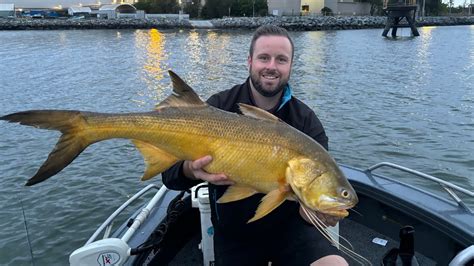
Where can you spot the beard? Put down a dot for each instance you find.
(267, 92)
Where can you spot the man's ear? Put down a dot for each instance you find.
(249, 62)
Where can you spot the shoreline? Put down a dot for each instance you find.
(305, 23)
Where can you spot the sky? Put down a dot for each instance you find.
(67, 3)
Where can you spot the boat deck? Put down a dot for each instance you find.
(442, 227)
(358, 235)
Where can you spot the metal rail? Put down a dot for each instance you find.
(463, 257)
(447, 186)
(143, 215)
(107, 223)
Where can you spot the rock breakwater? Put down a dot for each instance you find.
(60, 24)
(332, 22)
(291, 23)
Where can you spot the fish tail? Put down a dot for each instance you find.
(71, 143)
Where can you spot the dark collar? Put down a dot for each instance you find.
(285, 97)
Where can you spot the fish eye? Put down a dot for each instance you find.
(345, 194)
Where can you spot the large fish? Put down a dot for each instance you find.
(256, 150)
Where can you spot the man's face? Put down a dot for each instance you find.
(270, 64)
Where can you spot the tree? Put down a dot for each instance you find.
(236, 8)
(376, 6)
(434, 8)
(250, 8)
(326, 11)
(192, 8)
(215, 8)
(166, 6)
(261, 7)
(143, 5)
(158, 6)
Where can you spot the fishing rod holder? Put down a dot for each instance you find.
(115, 251)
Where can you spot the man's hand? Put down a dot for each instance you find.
(193, 170)
(326, 219)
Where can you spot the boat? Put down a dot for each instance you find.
(395, 223)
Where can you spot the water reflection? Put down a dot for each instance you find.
(216, 45)
(155, 48)
(311, 55)
(194, 48)
(206, 50)
(367, 90)
(424, 44)
(151, 51)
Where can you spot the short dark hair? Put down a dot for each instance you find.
(270, 30)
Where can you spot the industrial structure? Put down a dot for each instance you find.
(397, 11)
(314, 7)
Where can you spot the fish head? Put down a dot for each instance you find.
(321, 186)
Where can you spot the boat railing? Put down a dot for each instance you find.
(141, 217)
(450, 188)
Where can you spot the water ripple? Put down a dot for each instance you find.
(409, 101)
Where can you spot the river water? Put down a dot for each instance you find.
(407, 100)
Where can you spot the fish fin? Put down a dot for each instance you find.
(234, 193)
(270, 202)
(183, 95)
(70, 144)
(156, 160)
(255, 112)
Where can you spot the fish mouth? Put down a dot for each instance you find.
(336, 212)
(336, 208)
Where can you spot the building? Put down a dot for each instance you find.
(284, 7)
(117, 11)
(313, 7)
(79, 11)
(7, 10)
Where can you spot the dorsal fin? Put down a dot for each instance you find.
(183, 95)
(255, 112)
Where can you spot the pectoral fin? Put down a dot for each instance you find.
(156, 160)
(270, 202)
(234, 193)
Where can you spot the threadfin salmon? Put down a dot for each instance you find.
(256, 150)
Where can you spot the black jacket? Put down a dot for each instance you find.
(232, 217)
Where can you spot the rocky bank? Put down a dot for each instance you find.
(304, 23)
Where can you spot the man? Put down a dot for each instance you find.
(283, 236)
